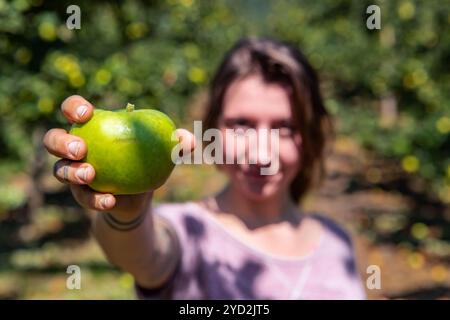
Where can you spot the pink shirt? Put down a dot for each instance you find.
(215, 264)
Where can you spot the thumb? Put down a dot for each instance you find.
(186, 139)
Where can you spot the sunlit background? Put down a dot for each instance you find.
(389, 89)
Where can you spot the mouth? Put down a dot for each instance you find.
(254, 173)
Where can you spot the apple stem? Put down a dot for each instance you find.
(130, 107)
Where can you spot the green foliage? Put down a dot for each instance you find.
(160, 54)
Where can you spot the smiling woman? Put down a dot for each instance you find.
(266, 76)
(251, 240)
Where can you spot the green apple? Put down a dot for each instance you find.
(129, 149)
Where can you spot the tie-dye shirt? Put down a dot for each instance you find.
(215, 264)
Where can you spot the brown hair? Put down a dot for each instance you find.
(281, 63)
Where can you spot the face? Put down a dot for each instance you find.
(251, 103)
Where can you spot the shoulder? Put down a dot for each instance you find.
(339, 250)
(335, 232)
(175, 210)
(173, 207)
(186, 218)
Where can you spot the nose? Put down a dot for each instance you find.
(260, 154)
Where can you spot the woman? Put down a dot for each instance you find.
(249, 241)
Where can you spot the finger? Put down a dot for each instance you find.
(61, 144)
(126, 204)
(91, 199)
(77, 109)
(73, 172)
(187, 140)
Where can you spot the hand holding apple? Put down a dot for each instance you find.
(79, 174)
(129, 149)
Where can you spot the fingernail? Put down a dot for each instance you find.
(81, 111)
(74, 147)
(105, 202)
(82, 174)
(88, 173)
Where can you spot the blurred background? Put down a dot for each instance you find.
(388, 176)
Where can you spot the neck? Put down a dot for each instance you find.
(257, 213)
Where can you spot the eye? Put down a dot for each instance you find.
(238, 123)
(286, 128)
(241, 123)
